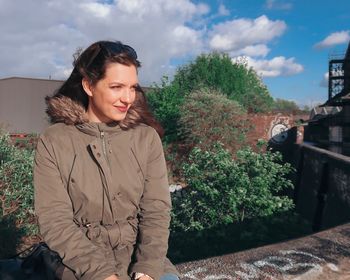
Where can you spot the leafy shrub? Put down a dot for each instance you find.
(234, 79)
(285, 106)
(222, 190)
(16, 184)
(165, 101)
(216, 71)
(208, 116)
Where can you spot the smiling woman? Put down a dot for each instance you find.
(112, 96)
(101, 189)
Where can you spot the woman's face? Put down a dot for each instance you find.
(111, 97)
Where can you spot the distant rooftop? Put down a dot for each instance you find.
(28, 78)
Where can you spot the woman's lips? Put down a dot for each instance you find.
(122, 109)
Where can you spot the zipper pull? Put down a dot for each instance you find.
(104, 149)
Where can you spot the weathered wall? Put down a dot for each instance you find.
(22, 104)
(322, 191)
(276, 126)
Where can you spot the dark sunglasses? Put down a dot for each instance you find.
(112, 48)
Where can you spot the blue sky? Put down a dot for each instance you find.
(287, 42)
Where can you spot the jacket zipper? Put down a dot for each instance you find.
(104, 179)
(104, 149)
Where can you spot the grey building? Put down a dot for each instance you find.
(22, 103)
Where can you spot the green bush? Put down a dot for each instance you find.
(285, 106)
(208, 116)
(165, 101)
(234, 79)
(215, 71)
(16, 184)
(222, 190)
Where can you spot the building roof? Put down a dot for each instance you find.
(27, 78)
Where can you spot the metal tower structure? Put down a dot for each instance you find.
(339, 80)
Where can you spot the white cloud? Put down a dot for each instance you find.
(278, 5)
(253, 51)
(277, 66)
(333, 39)
(203, 9)
(181, 9)
(223, 11)
(97, 9)
(324, 81)
(239, 33)
(45, 34)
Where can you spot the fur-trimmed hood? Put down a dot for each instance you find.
(62, 109)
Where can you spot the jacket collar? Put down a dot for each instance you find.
(62, 109)
(96, 129)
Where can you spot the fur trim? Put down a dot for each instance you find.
(62, 109)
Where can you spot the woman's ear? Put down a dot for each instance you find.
(87, 87)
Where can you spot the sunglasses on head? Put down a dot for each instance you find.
(112, 48)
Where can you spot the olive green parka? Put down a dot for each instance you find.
(102, 196)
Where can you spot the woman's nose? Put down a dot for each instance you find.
(127, 96)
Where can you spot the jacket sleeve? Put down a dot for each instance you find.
(154, 216)
(55, 214)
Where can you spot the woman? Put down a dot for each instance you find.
(101, 189)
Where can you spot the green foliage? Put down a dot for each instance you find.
(208, 116)
(165, 101)
(222, 190)
(16, 184)
(215, 71)
(236, 80)
(285, 106)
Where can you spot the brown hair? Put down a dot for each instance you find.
(91, 64)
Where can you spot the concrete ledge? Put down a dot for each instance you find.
(324, 255)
